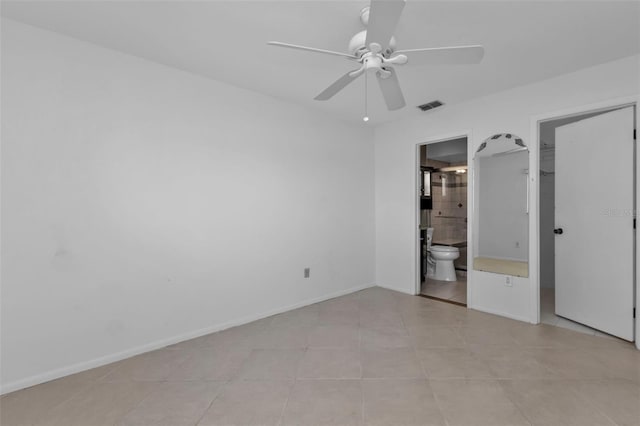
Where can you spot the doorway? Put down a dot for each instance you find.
(587, 202)
(442, 200)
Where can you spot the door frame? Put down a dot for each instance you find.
(417, 182)
(534, 243)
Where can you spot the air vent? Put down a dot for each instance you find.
(430, 105)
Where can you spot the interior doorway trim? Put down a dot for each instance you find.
(534, 222)
(416, 225)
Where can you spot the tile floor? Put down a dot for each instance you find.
(375, 357)
(455, 291)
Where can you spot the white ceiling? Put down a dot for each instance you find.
(525, 41)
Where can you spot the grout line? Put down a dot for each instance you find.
(222, 387)
(291, 387)
(362, 413)
(507, 393)
(424, 373)
(456, 328)
(92, 385)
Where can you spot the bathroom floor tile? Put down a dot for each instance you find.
(455, 291)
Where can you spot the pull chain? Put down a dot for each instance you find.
(366, 113)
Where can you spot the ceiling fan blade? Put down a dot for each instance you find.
(391, 91)
(443, 55)
(383, 19)
(311, 49)
(337, 86)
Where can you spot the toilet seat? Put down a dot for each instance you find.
(444, 249)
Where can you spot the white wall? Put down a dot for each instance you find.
(142, 205)
(505, 112)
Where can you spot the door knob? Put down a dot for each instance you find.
(558, 231)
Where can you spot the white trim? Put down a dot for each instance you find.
(416, 227)
(534, 231)
(403, 291)
(534, 243)
(159, 344)
(502, 314)
(471, 221)
(637, 171)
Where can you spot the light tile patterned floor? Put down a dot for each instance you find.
(455, 291)
(375, 357)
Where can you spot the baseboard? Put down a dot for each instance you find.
(159, 344)
(395, 289)
(499, 313)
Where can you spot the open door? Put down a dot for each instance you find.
(594, 222)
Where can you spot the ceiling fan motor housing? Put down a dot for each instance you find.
(358, 47)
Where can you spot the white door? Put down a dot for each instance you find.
(594, 211)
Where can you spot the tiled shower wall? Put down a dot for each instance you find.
(449, 214)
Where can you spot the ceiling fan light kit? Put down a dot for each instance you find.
(375, 50)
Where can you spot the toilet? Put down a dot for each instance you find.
(440, 260)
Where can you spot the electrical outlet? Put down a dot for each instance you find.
(508, 282)
(307, 272)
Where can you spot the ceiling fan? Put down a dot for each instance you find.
(375, 49)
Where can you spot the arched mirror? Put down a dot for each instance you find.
(501, 196)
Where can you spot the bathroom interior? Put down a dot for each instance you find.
(443, 220)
